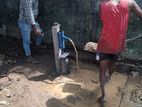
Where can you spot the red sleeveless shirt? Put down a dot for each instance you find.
(115, 24)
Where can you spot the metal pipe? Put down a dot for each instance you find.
(55, 30)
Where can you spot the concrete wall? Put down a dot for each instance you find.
(79, 20)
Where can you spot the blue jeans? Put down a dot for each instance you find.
(26, 31)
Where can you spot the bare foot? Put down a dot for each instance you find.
(102, 99)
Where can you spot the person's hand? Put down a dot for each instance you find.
(37, 31)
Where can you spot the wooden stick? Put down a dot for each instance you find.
(134, 38)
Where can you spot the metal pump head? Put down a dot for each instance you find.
(62, 38)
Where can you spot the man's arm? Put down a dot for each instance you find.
(30, 16)
(29, 12)
(136, 8)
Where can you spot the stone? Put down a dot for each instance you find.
(91, 46)
(7, 92)
(4, 81)
(4, 102)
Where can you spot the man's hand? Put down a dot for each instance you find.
(37, 31)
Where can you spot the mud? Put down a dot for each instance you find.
(29, 85)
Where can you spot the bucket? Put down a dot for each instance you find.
(64, 64)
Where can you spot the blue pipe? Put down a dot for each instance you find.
(62, 39)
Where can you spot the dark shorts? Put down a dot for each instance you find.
(110, 57)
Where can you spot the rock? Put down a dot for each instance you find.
(91, 47)
(7, 92)
(4, 81)
(4, 102)
(14, 77)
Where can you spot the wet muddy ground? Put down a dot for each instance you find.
(36, 85)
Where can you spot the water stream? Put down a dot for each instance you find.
(77, 61)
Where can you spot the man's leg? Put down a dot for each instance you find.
(26, 42)
(25, 31)
(103, 69)
(111, 68)
(111, 64)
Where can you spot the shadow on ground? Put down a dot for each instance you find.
(79, 98)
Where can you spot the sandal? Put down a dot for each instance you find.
(32, 60)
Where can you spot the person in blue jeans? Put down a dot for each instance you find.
(27, 23)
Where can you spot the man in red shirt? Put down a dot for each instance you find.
(114, 15)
